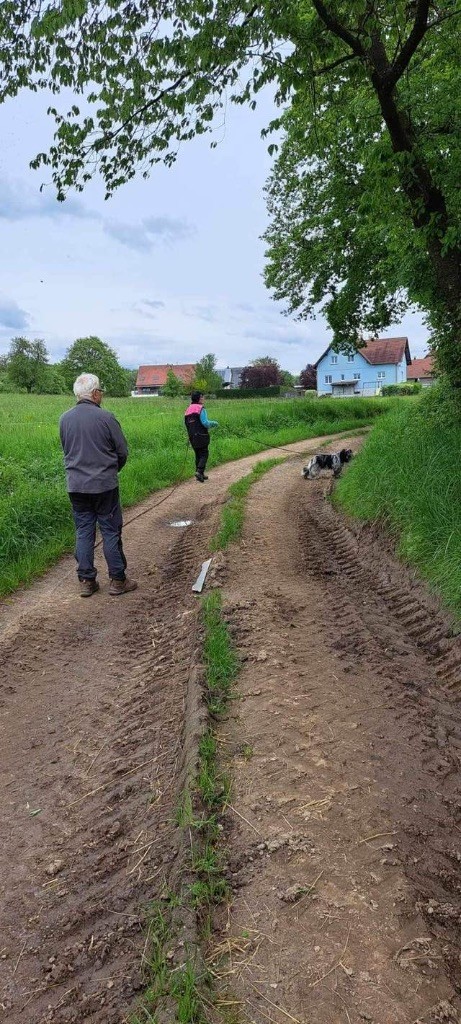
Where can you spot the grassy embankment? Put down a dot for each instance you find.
(35, 521)
(409, 476)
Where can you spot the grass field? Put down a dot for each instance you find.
(35, 521)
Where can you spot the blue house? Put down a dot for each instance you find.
(380, 361)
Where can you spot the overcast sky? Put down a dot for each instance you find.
(166, 271)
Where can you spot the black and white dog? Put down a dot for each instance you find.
(334, 461)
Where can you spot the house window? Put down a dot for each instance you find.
(356, 376)
(381, 374)
(328, 378)
(334, 359)
(350, 359)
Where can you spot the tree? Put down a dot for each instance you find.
(91, 355)
(260, 375)
(154, 74)
(173, 386)
(27, 363)
(265, 361)
(287, 379)
(308, 378)
(206, 377)
(53, 382)
(130, 379)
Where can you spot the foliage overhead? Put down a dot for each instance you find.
(91, 355)
(374, 116)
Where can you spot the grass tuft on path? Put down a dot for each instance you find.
(221, 662)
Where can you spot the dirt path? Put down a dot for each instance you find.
(91, 733)
(343, 732)
(345, 849)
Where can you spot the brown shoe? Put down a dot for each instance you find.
(121, 587)
(88, 587)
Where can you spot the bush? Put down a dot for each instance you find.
(270, 392)
(407, 388)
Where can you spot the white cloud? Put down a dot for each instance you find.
(12, 317)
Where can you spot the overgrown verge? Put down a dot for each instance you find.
(35, 517)
(408, 476)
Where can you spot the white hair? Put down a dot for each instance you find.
(85, 385)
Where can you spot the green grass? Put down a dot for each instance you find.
(168, 985)
(408, 475)
(220, 659)
(35, 521)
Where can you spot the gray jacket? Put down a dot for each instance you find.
(94, 448)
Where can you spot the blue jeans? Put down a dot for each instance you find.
(104, 510)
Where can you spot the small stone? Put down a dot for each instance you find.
(55, 867)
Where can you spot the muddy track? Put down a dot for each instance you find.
(93, 735)
(93, 832)
(346, 749)
(384, 617)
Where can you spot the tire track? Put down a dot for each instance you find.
(103, 840)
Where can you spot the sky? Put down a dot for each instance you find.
(165, 271)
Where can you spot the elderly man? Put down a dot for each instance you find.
(95, 450)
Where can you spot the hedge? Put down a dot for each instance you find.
(270, 392)
(408, 388)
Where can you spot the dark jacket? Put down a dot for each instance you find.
(94, 446)
(199, 436)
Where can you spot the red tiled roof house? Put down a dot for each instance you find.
(422, 370)
(151, 379)
(378, 362)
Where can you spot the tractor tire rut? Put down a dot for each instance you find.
(345, 852)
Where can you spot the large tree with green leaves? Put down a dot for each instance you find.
(27, 364)
(206, 377)
(374, 79)
(91, 355)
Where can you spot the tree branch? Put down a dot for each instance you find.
(334, 64)
(338, 29)
(444, 17)
(420, 27)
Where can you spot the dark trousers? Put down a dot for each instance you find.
(201, 456)
(104, 510)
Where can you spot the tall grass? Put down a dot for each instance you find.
(409, 475)
(35, 521)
